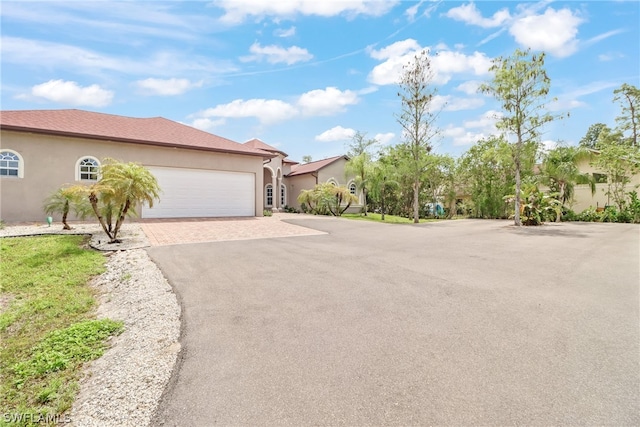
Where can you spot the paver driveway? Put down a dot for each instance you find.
(197, 230)
(456, 323)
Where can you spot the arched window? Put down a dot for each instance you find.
(283, 195)
(11, 164)
(87, 169)
(268, 192)
(332, 182)
(352, 188)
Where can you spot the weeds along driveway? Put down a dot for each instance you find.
(454, 323)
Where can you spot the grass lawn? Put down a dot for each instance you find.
(391, 219)
(47, 325)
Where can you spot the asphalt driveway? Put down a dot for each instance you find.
(455, 323)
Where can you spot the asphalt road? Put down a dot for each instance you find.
(457, 323)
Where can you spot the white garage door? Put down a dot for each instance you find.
(202, 193)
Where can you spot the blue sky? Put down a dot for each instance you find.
(305, 75)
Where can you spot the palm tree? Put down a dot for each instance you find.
(62, 201)
(560, 172)
(381, 183)
(124, 185)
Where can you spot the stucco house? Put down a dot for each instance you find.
(582, 197)
(284, 179)
(200, 174)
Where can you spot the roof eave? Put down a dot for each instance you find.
(131, 141)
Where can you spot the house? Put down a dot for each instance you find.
(284, 179)
(200, 174)
(582, 196)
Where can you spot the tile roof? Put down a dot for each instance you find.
(152, 131)
(261, 145)
(313, 166)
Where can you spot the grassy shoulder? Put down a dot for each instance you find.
(47, 326)
(390, 219)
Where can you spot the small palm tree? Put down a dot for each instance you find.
(122, 187)
(62, 201)
(560, 172)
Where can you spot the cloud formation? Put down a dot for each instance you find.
(318, 102)
(237, 11)
(444, 65)
(70, 93)
(274, 54)
(165, 87)
(337, 133)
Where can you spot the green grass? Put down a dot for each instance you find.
(390, 219)
(47, 326)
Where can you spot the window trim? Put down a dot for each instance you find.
(78, 173)
(355, 188)
(20, 164)
(283, 195)
(266, 195)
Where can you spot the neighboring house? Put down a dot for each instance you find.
(331, 170)
(200, 174)
(582, 197)
(284, 179)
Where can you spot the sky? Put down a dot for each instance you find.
(304, 76)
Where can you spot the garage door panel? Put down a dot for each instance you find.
(202, 193)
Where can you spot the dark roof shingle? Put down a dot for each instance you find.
(153, 131)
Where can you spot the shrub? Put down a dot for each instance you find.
(267, 212)
(610, 214)
(588, 215)
(569, 215)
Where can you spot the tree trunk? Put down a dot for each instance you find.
(416, 202)
(119, 222)
(93, 199)
(383, 205)
(561, 197)
(364, 194)
(516, 218)
(65, 212)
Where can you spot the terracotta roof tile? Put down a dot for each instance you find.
(87, 124)
(313, 166)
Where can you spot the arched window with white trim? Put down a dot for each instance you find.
(353, 189)
(11, 164)
(87, 169)
(283, 195)
(268, 195)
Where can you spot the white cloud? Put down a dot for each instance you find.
(281, 32)
(337, 133)
(319, 102)
(384, 138)
(267, 111)
(60, 56)
(450, 103)
(470, 87)
(236, 11)
(554, 31)
(325, 102)
(166, 87)
(70, 93)
(469, 14)
(610, 56)
(207, 125)
(276, 54)
(472, 131)
(445, 63)
(548, 145)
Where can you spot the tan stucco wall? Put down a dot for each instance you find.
(333, 172)
(49, 162)
(583, 198)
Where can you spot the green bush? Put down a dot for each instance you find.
(588, 215)
(610, 214)
(569, 215)
(267, 212)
